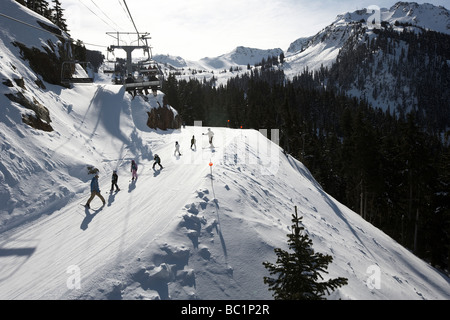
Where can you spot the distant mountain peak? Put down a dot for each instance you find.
(174, 61)
(240, 56)
(428, 16)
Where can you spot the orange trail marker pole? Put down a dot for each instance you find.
(210, 166)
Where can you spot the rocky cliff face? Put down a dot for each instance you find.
(163, 117)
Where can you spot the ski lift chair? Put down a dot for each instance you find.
(149, 77)
(76, 72)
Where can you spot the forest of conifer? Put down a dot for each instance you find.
(391, 168)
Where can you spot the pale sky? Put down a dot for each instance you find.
(194, 29)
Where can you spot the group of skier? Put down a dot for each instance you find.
(95, 189)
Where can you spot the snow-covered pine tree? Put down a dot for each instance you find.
(299, 271)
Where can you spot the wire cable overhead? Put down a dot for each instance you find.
(131, 17)
(64, 35)
(103, 20)
(101, 10)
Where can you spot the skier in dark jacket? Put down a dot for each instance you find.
(157, 161)
(95, 191)
(193, 143)
(114, 180)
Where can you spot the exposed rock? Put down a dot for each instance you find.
(41, 120)
(163, 118)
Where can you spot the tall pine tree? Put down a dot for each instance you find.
(58, 15)
(299, 271)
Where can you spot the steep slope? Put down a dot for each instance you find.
(140, 211)
(189, 231)
(401, 65)
(323, 48)
(24, 97)
(425, 15)
(182, 233)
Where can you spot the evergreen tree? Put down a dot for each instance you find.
(40, 6)
(58, 15)
(298, 272)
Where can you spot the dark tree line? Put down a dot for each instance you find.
(53, 12)
(411, 67)
(392, 170)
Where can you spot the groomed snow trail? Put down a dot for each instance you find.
(38, 259)
(180, 232)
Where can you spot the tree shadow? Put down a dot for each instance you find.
(20, 252)
(9, 268)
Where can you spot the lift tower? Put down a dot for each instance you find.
(143, 75)
(128, 48)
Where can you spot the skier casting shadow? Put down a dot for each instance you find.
(210, 135)
(112, 195)
(95, 191)
(157, 162)
(193, 144)
(134, 168)
(177, 149)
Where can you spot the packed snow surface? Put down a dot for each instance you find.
(190, 230)
(200, 228)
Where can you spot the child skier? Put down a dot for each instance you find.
(134, 169)
(114, 180)
(95, 191)
(193, 143)
(157, 161)
(177, 149)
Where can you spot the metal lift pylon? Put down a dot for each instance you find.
(154, 74)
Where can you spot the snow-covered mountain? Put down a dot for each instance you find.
(349, 32)
(239, 57)
(323, 48)
(188, 231)
(220, 68)
(170, 61)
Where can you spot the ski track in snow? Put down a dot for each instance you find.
(188, 231)
(182, 232)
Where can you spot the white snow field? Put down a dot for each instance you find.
(180, 232)
(188, 231)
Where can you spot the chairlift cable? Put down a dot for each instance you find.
(52, 33)
(124, 10)
(105, 22)
(131, 17)
(29, 25)
(105, 15)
